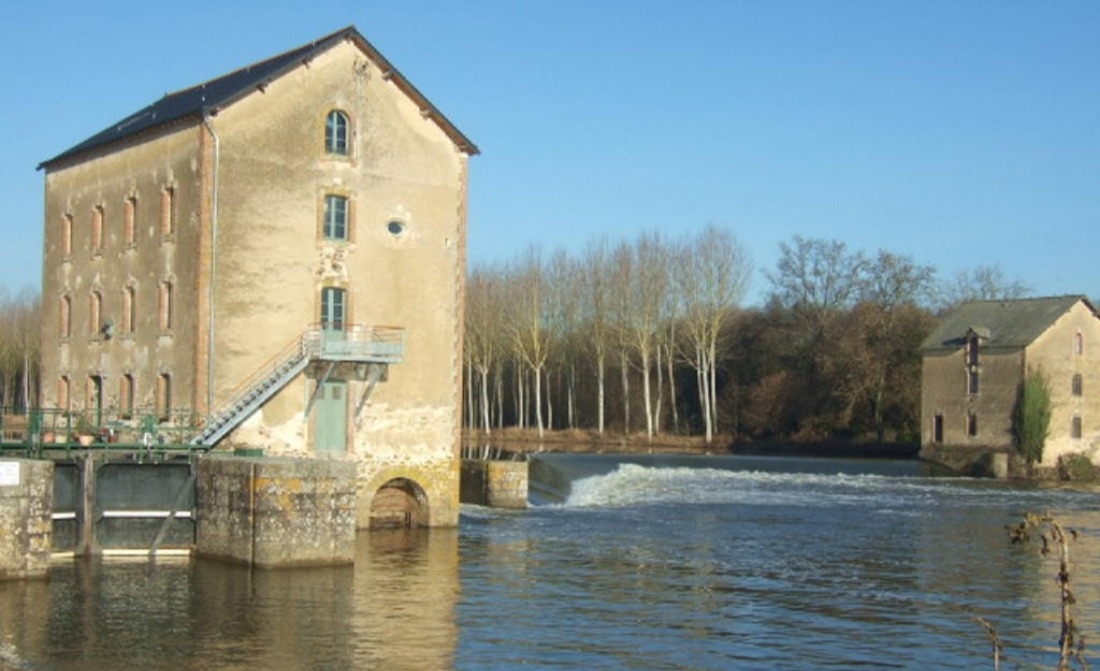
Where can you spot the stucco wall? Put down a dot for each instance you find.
(1054, 353)
(272, 261)
(944, 391)
(107, 179)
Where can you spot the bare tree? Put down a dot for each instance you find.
(816, 279)
(595, 311)
(527, 323)
(712, 273)
(649, 285)
(483, 328)
(980, 283)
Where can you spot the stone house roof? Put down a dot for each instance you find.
(208, 98)
(1005, 324)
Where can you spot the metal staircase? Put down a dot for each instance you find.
(375, 346)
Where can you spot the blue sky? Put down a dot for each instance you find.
(959, 133)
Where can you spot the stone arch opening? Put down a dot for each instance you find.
(399, 504)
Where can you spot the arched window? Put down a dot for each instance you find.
(63, 392)
(164, 306)
(67, 235)
(97, 230)
(129, 221)
(1078, 343)
(336, 218)
(336, 133)
(168, 210)
(126, 396)
(128, 307)
(164, 397)
(95, 310)
(66, 317)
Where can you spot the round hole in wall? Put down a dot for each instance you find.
(395, 227)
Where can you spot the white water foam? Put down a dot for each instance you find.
(634, 484)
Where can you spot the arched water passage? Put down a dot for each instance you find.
(400, 503)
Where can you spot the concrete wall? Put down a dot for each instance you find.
(26, 502)
(276, 512)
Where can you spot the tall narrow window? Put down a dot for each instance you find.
(129, 221)
(96, 241)
(95, 311)
(333, 309)
(1078, 385)
(168, 210)
(65, 316)
(63, 392)
(972, 381)
(164, 306)
(1075, 427)
(126, 396)
(336, 133)
(971, 424)
(972, 351)
(128, 307)
(67, 235)
(336, 218)
(164, 397)
(937, 428)
(1078, 343)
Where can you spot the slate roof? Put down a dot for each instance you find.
(1010, 324)
(209, 97)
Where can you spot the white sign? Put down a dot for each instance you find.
(9, 473)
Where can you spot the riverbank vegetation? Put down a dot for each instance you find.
(650, 336)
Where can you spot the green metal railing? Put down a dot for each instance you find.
(45, 432)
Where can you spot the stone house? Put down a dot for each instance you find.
(273, 258)
(978, 356)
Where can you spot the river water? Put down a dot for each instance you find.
(639, 563)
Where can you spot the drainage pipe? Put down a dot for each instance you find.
(213, 267)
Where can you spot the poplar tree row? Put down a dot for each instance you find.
(650, 336)
(19, 350)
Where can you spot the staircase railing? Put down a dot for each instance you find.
(381, 344)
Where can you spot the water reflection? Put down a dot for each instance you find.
(393, 610)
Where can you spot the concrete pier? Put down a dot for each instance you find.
(26, 504)
(497, 484)
(276, 512)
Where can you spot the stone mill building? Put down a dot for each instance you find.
(273, 258)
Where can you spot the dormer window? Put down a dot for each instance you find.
(336, 133)
(972, 350)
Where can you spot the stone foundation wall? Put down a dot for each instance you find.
(276, 512)
(26, 505)
(497, 484)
